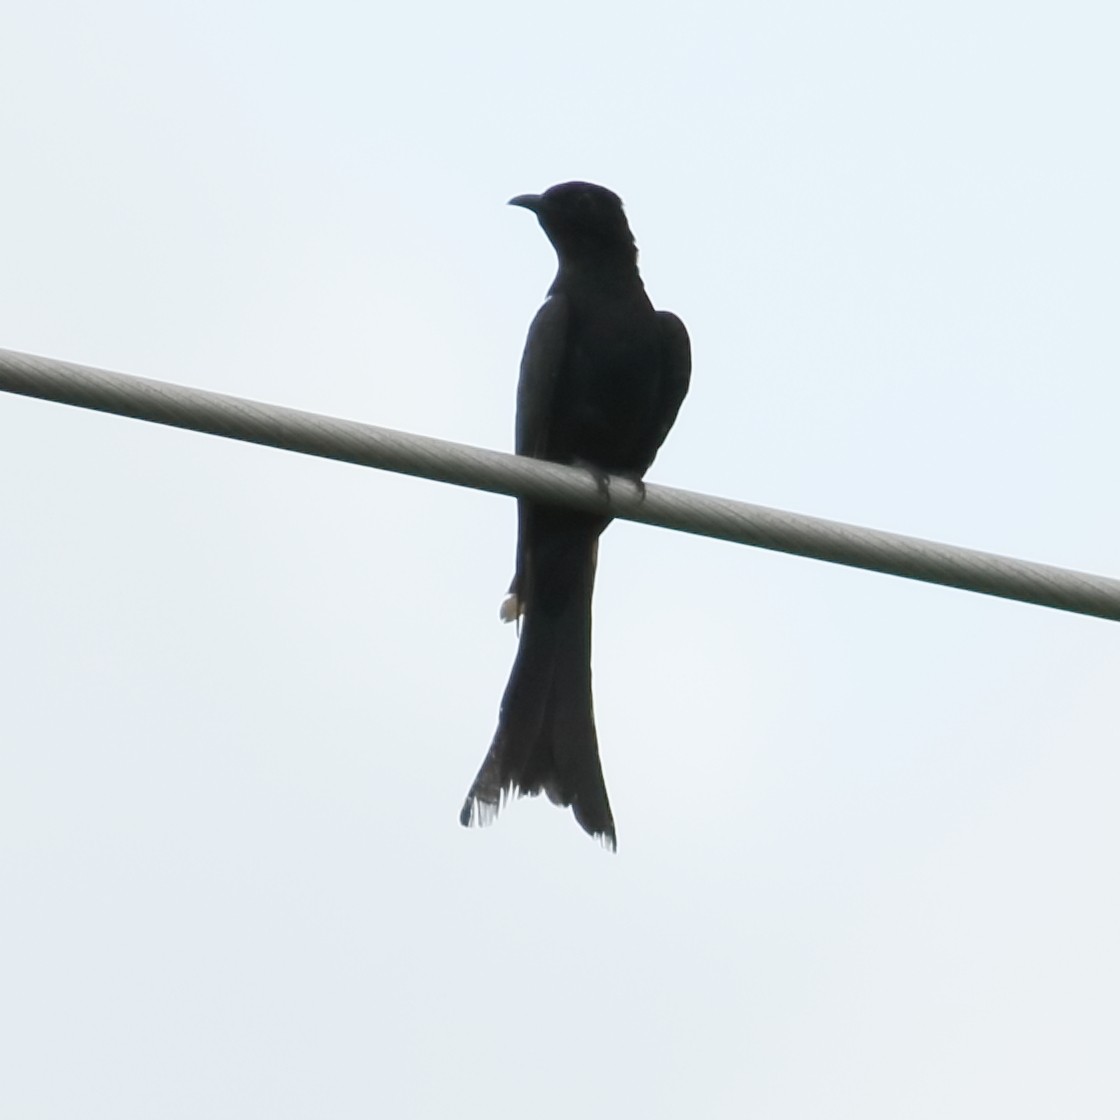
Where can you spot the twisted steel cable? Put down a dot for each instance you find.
(366, 445)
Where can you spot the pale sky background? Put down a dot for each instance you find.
(868, 841)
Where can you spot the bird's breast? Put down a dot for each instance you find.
(608, 392)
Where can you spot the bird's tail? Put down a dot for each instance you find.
(545, 741)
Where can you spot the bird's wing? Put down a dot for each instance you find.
(676, 365)
(545, 352)
(541, 364)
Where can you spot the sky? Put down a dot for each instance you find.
(867, 827)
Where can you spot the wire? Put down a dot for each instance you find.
(369, 446)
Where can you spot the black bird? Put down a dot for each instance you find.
(602, 378)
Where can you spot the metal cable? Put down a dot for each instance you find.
(422, 456)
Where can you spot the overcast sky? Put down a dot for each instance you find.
(868, 840)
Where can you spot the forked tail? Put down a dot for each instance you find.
(546, 741)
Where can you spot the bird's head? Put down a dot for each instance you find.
(583, 221)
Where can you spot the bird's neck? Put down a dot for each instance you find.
(601, 271)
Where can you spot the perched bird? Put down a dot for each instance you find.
(602, 379)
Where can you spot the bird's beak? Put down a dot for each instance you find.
(528, 201)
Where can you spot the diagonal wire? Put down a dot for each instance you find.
(349, 441)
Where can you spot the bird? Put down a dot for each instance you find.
(602, 378)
